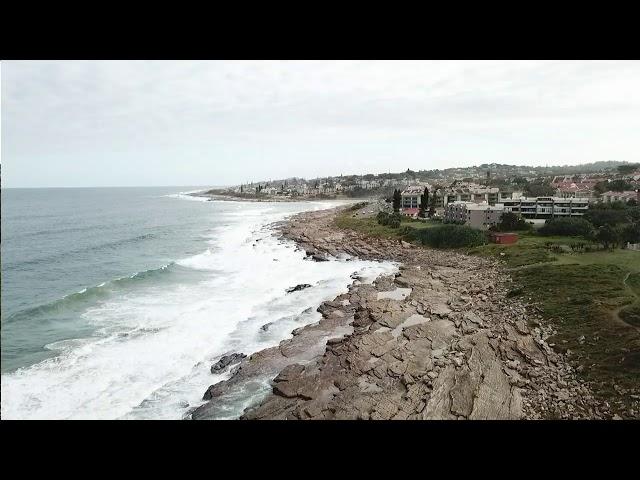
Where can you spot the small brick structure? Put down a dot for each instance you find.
(503, 238)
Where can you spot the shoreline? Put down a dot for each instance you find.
(437, 340)
(234, 198)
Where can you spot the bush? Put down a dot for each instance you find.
(392, 220)
(567, 226)
(511, 222)
(451, 236)
(357, 206)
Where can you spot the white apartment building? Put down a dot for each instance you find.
(547, 207)
(412, 196)
(476, 215)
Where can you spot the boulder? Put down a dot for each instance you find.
(298, 287)
(225, 361)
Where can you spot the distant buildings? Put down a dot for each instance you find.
(547, 207)
(609, 197)
(476, 215)
(471, 192)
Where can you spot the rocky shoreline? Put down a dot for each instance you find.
(440, 339)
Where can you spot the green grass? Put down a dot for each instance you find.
(580, 294)
(578, 299)
(631, 313)
(370, 226)
(583, 294)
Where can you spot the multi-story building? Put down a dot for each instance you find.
(411, 199)
(476, 194)
(547, 207)
(476, 215)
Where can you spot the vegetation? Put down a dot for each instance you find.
(357, 206)
(539, 188)
(451, 236)
(571, 226)
(511, 222)
(628, 168)
(397, 200)
(582, 292)
(392, 220)
(412, 230)
(424, 202)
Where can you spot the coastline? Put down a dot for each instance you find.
(249, 198)
(437, 340)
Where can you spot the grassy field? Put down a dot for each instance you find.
(369, 225)
(593, 301)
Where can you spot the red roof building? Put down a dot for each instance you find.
(503, 238)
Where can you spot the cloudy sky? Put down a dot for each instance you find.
(107, 123)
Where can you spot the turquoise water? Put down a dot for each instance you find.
(58, 245)
(115, 301)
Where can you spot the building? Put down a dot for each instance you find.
(411, 199)
(547, 207)
(620, 196)
(575, 190)
(503, 238)
(471, 192)
(477, 215)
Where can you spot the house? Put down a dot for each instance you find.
(476, 215)
(546, 207)
(620, 196)
(411, 199)
(503, 238)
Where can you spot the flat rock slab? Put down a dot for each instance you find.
(397, 294)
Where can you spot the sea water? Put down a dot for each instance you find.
(116, 301)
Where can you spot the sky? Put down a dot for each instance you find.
(135, 123)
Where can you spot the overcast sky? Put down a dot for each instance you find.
(107, 123)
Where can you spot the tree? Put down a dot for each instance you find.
(397, 200)
(628, 168)
(619, 186)
(607, 236)
(631, 233)
(511, 221)
(571, 226)
(539, 188)
(424, 201)
(600, 215)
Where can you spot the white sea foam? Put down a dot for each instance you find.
(152, 351)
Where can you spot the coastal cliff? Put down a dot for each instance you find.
(440, 339)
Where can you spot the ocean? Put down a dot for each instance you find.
(116, 301)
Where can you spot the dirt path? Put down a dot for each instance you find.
(615, 314)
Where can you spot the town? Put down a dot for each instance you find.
(476, 196)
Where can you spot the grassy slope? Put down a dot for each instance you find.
(369, 225)
(581, 295)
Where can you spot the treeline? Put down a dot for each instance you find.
(611, 225)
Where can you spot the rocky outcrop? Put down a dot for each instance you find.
(225, 361)
(438, 340)
(299, 287)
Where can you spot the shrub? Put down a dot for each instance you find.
(382, 218)
(392, 220)
(451, 236)
(567, 226)
(511, 222)
(357, 206)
